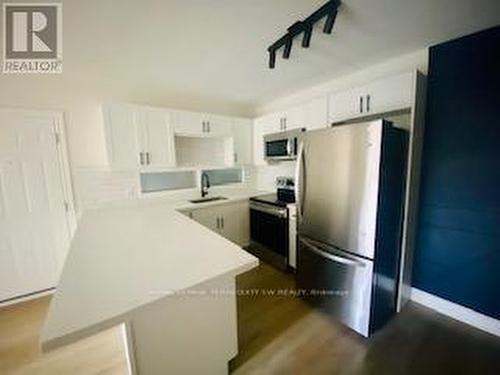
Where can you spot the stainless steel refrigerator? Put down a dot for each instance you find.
(350, 188)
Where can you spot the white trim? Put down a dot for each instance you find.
(458, 312)
(17, 300)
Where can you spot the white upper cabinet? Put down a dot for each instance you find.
(315, 113)
(122, 137)
(201, 125)
(294, 118)
(390, 94)
(138, 136)
(243, 141)
(156, 138)
(219, 126)
(385, 95)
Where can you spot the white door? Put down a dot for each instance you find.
(34, 229)
(157, 138)
(243, 141)
(122, 135)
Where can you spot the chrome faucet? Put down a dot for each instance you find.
(205, 184)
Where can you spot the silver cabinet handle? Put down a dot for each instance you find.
(222, 221)
(235, 157)
(284, 123)
(368, 103)
(148, 158)
(141, 158)
(360, 104)
(203, 128)
(218, 222)
(208, 126)
(330, 256)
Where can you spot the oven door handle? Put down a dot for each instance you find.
(279, 212)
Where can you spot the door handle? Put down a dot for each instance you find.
(330, 256)
(360, 104)
(222, 221)
(208, 126)
(218, 223)
(300, 180)
(368, 103)
(141, 158)
(148, 158)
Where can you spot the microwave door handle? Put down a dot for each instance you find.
(300, 180)
(289, 147)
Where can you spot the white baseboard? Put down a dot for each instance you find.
(27, 298)
(457, 312)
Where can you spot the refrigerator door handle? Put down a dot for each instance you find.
(300, 181)
(332, 257)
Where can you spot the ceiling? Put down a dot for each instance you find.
(217, 48)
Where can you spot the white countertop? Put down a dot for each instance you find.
(129, 255)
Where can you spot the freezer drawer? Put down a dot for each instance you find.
(337, 282)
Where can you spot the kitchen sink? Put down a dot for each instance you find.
(208, 199)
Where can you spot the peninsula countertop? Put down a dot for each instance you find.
(126, 256)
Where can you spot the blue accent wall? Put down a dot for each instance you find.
(457, 255)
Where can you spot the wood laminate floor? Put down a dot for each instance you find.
(278, 334)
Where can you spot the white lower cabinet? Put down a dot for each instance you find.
(231, 220)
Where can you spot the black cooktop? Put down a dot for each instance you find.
(269, 199)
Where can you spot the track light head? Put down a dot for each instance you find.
(306, 40)
(272, 58)
(288, 48)
(330, 20)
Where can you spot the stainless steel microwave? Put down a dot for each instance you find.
(283, 145)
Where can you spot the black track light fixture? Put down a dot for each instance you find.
(328, 11)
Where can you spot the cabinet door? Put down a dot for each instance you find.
(344, 105)
(157, 137)
(316, 113)
(236, 222)
(189, 123)
(295, 118)
(389, 94)
(122, 135)
(219, 126)
(243, 141)
(207, 217)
